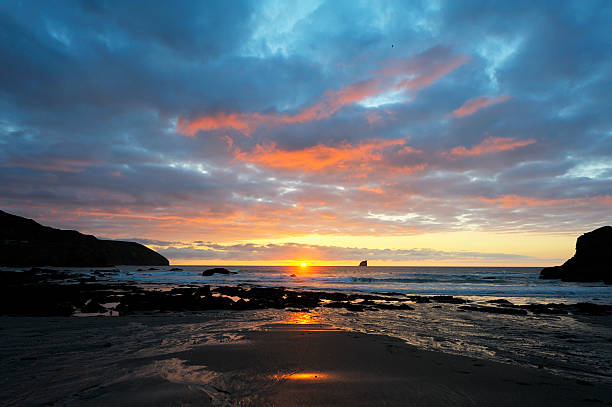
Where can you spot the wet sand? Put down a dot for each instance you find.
(158, 361)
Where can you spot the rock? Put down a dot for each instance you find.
(23, 242)
(215, 270)
(347, 306)
(447, 299)
(335, 296)
(592, 261)
(501, 301)
(401, 307)
(494, 310)
(363, 263)
(419, 299)
(93, 307)
(549, 309)
(588, 308)
(551, 273)
(292, 275)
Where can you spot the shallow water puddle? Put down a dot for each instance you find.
(308, 376)
(305, 376)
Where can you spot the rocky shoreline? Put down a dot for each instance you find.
(46, 292)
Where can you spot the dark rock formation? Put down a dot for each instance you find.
(93, 307)
(493, 310)
(363, 263)
(216, 270)
(448, 299)
(501, 301)
(551, 273)
(23, 242)
(592, 261)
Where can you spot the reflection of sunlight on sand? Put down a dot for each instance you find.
(308, 376)
(302, 318)
(305, 376)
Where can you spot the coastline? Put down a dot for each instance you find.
(157, 345)
(180, 359)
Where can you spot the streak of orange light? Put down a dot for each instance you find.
(308, 376)
(302, 318)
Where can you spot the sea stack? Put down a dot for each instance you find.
(592, 261)
(363, 263)
(23, 242)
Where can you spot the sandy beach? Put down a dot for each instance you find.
(209, 359)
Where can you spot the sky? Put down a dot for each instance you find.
(328, 132)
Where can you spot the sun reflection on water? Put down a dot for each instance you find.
(305, 376)
(308, 376)
(302, 318)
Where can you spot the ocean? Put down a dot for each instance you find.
(574, 346)
(517, 284)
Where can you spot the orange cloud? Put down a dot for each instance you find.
(517, 201)
(376, 190)
(473, 105)
(404, 75)
(320, 157)
(331, 102)
(491, 145)
(238, 121)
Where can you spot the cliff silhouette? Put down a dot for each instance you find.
(592, 261)
(24, 242)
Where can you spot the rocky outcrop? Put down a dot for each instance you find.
(592, 261)
(23, 242)
(215, 270)
(363, 263)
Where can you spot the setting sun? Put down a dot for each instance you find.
(303, 264)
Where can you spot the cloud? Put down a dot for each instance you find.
(296, 252)
(341, 126)
(515, 201)
(422, 71)
(475, 104)
(398, 75)
(53, 164)
(246, 123)
(491, 145)
(344, 157)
